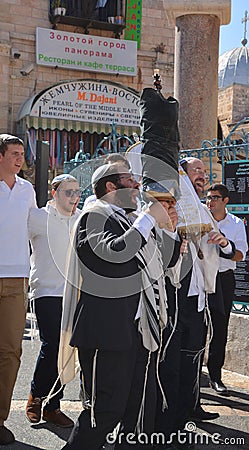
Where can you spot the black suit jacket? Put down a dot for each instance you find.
(110, 292)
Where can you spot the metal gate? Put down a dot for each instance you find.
(215, 154)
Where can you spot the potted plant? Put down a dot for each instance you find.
(58, 7)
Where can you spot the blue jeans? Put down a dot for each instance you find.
(48, 313)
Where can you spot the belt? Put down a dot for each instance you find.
(226, 271)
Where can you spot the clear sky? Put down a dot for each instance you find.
(232, 34)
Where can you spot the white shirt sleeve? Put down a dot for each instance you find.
(228, 249)
(144, 224)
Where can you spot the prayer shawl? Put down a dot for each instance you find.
(208, 267)
(68, 362)
(153, 305)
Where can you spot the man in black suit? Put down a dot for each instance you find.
(180, 368)
(119, 372)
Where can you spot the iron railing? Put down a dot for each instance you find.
(215, 154)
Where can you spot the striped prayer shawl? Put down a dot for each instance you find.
(153, 303)
(153, 307)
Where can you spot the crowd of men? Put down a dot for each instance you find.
(132, 317)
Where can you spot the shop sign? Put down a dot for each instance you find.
(56, 48)
(237, 181)
(89, 101)
(133, 21)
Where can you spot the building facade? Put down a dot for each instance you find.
(29, 30)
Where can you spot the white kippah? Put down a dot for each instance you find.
(63, 177)
(9, 137)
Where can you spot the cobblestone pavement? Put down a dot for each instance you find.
(229, 432)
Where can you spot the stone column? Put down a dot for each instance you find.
(196, 65)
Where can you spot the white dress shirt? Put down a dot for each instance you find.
(234, 230)
(15, 205)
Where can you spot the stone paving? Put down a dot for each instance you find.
(229, 432)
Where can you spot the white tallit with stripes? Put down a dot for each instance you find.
(153, 304)
(152, 311)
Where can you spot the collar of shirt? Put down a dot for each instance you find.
(226, 218)
(117, 208)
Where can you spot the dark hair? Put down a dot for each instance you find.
(221, 188)
(117, 157)
(112, 175)
(7, 139)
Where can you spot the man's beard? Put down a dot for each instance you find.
(198, 189)
(125, 199)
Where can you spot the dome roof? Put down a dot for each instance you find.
(234, 67)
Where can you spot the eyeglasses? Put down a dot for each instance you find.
(213, 197)
(200, 171)
(70, 192)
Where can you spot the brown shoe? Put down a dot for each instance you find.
(33, 409)
(57, 417)
(6, 436)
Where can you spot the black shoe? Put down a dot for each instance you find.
(219, 387)
(6, 436)
(200, 414)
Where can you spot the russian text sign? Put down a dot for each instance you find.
(89, 101)
(85, 52)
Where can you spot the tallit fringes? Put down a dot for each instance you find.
(140, 419)
(209, 323)
(206, 311)
(164, 403)
(196, 389)
(173, 329)
(93, 397)
(51, 394)
(85, 398)
(197, 358)
(33, 321)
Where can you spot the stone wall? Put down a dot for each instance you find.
(240, 102)
(18, 22)
(237, 350)
(225, 108)
(233, 105)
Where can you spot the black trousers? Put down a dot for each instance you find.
(48, 313)
(179, 371)
(119, 382)
(220, 320)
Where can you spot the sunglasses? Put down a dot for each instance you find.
(213, 197)
(71, 192)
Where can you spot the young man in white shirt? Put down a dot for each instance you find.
(221, 302)
(17, 196)
(50, 228)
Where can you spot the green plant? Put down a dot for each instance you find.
(58, 4)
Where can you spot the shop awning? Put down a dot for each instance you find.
(62, 124)
(94, 104)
